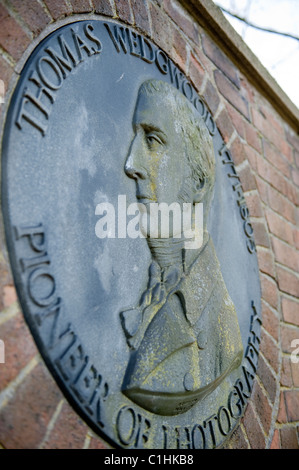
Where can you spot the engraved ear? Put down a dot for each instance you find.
(199, 190)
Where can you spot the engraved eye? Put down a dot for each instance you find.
(153, 138)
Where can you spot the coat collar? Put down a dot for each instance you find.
(198, 285)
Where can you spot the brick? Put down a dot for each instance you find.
(270, 116)
(9, 295)
(81, 6)
(294, 187)
(179, 51)
(262, 407)
(279, 227)
(247, 178)
(123, 11)
(262, 187)
(32, 13)
(104, 7)
(231, 93)
(295, 373)
(97, 443)
(252, 137)
(69, 431)
(285, 254)
(286, 372)
(288, 153)
(237, 120)
(269, 291)
(254, 204)
(238, 151)
(280, 204)
(204, 61)
(249, 92)
(6, 72)
(5, 280)
(282, 413)
(270, 350)
(24, 420)
(237, 439)
(196, 72)
(271, 175)
(291, 192)
(275, 443)
(141, 15)
(266, 261)
(181, 18)
(224, 125)
(13, 38)
(252, 157)
(289, 438)
(2, 90)
(162, 32)
(292, 404)
(273, 119)
(259, 120)
(280, 143)
(288, 334)
(287, 281)
(218, 58)
(270, 321)
(275, 158)
(253, 429)
(295, 176)
(278, 181)
(293, 140)
(260, 234)
(273, 133)
(268, 378)
(58, 8)
(211, 97)
(19, 348)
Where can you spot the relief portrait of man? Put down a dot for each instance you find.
(183, 335)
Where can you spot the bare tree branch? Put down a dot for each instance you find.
(267, 30)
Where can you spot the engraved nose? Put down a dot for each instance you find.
(133, 168)
(133, 172)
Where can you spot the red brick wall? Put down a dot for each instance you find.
(33, 412)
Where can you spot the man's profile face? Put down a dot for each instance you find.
(156, 158)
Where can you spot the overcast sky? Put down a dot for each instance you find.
(280, 55)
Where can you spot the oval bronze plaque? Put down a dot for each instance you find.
(153, 336)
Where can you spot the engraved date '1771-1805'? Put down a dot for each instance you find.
(154, 342)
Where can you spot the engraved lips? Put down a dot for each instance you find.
(142, 196)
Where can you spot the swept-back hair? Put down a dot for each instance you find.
(198, 142)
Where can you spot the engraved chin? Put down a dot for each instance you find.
(160, 220)
(143, 195)
(150, 229)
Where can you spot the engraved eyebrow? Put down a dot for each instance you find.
(152, 128)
